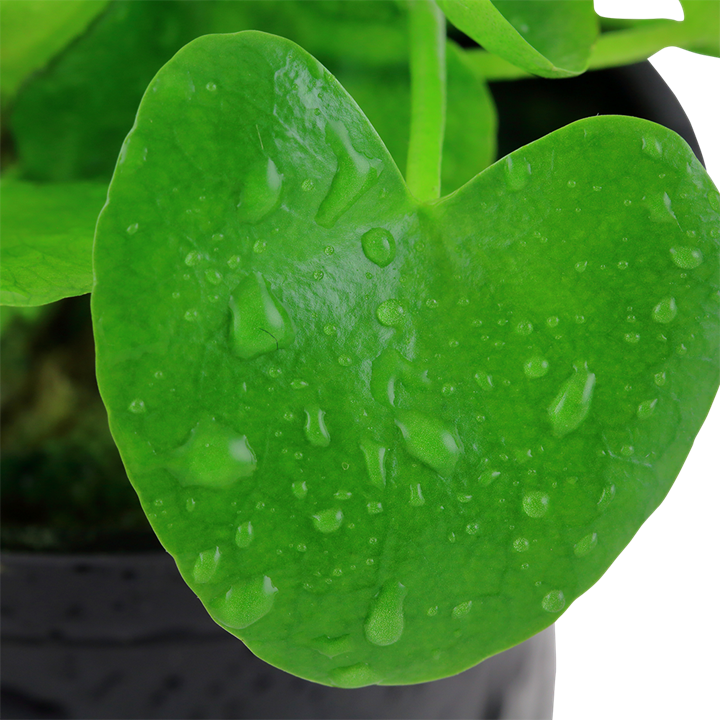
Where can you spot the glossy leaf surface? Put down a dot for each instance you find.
(384, 441)
(31, 33)
(47, 234)
(552, 38)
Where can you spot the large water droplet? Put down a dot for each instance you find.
(315, 431)
(686, 257)
(354, 176)
(517, 172)
(554, 601)
(429, 440)
(585, 545)
(385, 620)
(206, 565)
(213, 456)
(244, 603)
(260, 324)
(260, 194)
(374, 454)
(665, 311)
(390, 313)
(389, 367)
(572, 403)
(535, 504)
(379, 246)
(327, 521)
(333, 646)
(354, 676)
(244, 535)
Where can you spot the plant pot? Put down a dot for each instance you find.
(107, 636)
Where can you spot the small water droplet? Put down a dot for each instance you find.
(484, 380)
(244, 603)
(211, 86)
(213, 277)
(259, 247)
(234, 262)
(553, 321)
(137, 406)
(585, 545)
(632, 338)
(429, 440)
(554, 601)
(487, 477)
(299, 489)
(298, 384)
(665, 311)
(581, 266)
(524, 327)
(646, 409)
(333, 646)
(390, 313)
(431, 303)
(535, 504)
(416, 496)
(627, 203)
(244, 535)
(260, 324)
(660, 378)
(521, 544)
(606, 497)
(652, 147)
(385, 621)
(206, 565)
(374, 507)
(315, 430)
(623, 265)
(447, 389)
(472, 528)
(379, 246)
(344, 360)
(330, 330)
(686, 257)
(536, 367)
(627, 450)
(462, 610)
(193, 258)
(318, 275)
(132, 229)
(374, 454)
(572, 403)
(517, 172)
(260, 193)
(571, 183)
(597, 188)
(354, 676)
(327, 521)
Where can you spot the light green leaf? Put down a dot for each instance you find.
(552, 38)
(33, 32)
(47, 235)
(462, 411)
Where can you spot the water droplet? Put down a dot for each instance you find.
(318, 275)
(390, 313)
(213, 277)
(553, 321)
(354, 176)
(585, 545)
(597, 188)
(191, 315)
(646, 409)
(686, 257)
(261, 190)
(659, 378)
(572, 403)
(374, 507)
(416, 496)
(627, 203)
(344, 360)
(517, 172)
(327, 521)
(484, 380)
(330, 330)
(137, 406)
(447, 389)
(379, 246)
(259, 247)
(354, 676)
(665, 311)
(385, 620)
(431, 303)
(535, 504)
(190, 505)
(524, 327)
(206, 565)
(244, 535)
(299, 489)
(472, 528)
(462, 610)
(652, 147)
(429, 440)
(260, 324)
(333, 646)
(627, 450)
(487, 477)
(536, 367)
(244, 603)
(623, 265)
(234, 262)
(606, 498)
(193, 258)
(211, 86)
(521, 544)
(213, 456)
(374, 454)
(632, 338)
(554, 601)
(132, 229)
(315, 430)
(581, 266)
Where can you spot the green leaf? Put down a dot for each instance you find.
(702, 23)
(469, 144)
(47, 235)
(552, 38)
(31, 33)
(383, 440)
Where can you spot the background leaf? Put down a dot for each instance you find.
(385, 441)
(552, 38)
(31, 33)
(47, 235)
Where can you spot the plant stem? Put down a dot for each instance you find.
(427, 96)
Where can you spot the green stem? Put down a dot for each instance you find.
(427, 95)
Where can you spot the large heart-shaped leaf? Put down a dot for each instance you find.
(386, 440)
(47, 233)
(552, 38)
